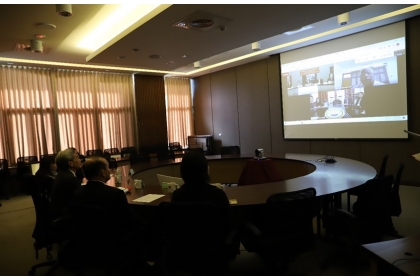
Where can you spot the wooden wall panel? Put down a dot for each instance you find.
(254, 107)
(203, 115)
(150, 110)
(225, 109)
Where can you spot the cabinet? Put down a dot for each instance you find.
(201, 141)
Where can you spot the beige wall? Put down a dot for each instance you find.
(243, 105)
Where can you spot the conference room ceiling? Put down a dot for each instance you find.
(236, 27)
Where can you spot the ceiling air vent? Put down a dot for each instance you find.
(202, 21)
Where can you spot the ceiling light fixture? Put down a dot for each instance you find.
(64, 10)
(36, 46)
(343, 19)
(197, 64)
(256, 46)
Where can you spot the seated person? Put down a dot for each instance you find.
(65, 183)
(197, 189)
(97, 193)
(46, 173)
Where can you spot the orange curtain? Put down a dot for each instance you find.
(26, 113)
(179, 113)
(43, 111)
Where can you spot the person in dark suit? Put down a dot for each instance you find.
(97, 193)
(65, 183)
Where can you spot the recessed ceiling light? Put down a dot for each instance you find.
(45, 25)
(184, 56)
(135, 50)
(170, 62)
(40, 36)
(154, 56)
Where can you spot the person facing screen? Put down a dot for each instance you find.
(367, 77)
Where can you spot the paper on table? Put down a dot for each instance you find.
(148, 198)
(416, 156)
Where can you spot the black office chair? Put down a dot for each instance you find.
(112, 151)
(24, 164)
(48, 232)
(95, 152)
(196, 239)
(371, 215)
(380, 174)
(284, 230)
(194, 150)
(48, 155)
(165, 155)
(230, 150)
(112, 163)
(4, 177)
(175, 146)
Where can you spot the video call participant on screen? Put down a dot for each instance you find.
(65, 183)
(330, 78)
(367, 78)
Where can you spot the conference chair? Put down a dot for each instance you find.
(379, 175)
(195, 150)
(175, 146)
(95, 152)
(284, 230)
(48, 155)
(128, 151)
(196, 239)
(4, 177)
(48, 232)
(24, 164)
(23, 170)
(112, 151)
(230, 150)
(371, 215)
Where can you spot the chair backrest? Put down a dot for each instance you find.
(128, 151)
(175, 146)
(95, 152)
(194, 150)
(112, 151)
(395, 195)
(48, 155)
(288, 221)
(4, 168)
(383, 167)
(112, 163)
(24, 164)
(373, 198)
(230, 150)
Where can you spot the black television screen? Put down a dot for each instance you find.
(352, 87)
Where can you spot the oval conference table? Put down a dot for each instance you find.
(298, 171)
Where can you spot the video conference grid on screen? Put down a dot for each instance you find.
(353, 93)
